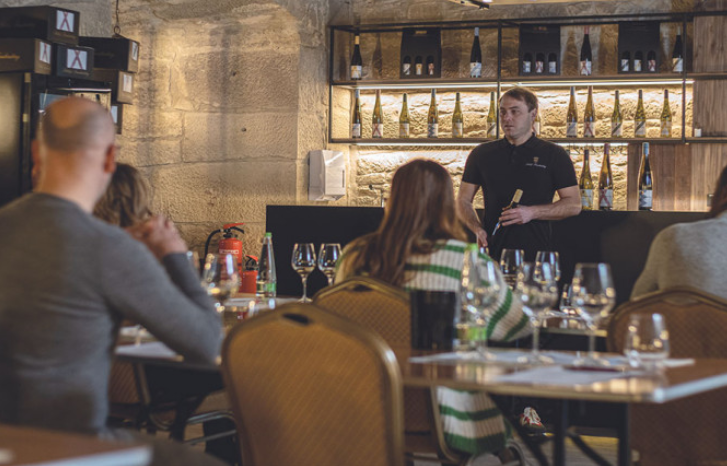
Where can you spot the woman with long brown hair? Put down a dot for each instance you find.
(692, 254)
(126, 200)
(420, 245)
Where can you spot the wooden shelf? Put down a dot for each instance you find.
(470, 142)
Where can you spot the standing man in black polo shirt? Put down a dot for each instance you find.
(518, 161)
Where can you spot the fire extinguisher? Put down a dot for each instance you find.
(230, 244)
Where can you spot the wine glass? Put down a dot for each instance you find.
(647, 341)
(327, 258)
(552, 258)
(304, 262)
(220, 277)
(594, 296)
(511, 265)
(481, 287)
(538, 291)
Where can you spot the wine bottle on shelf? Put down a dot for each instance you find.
(666, 117)
(586, 68)
(377, 119)
(492, 118)
(513, 203)
(406, 66)
(638, 61)
(677, 56)
(640, 118)
(356, 62)
(572, 117)
(646, 197)
(616, 119)
(418, 66)
(404, 119)
(651, 62)
(589, 117)
(457, 120)
(537, 124)
(605, 181)
(539, 63)
(356, 119)
(552, 63)
(625, 62)
(433, 117)
(528, 63)
(585, 183)
(476, 56)
(430, 65)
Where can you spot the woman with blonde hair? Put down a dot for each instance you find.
(420, 245)
(126, 200)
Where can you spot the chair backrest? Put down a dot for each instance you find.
(308, 387)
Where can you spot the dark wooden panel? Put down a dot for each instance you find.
(710, 37)
(662, 168)
(683, 177)
(710, 112)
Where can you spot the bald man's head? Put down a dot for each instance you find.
(75, 124)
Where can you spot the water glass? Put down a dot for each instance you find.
(220, 277)
(647, 341)
(327, 258)
(480, 290)
(511, 265)
(538, 291)
(552, 258)
(303, 262)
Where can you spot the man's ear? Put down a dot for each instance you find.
(109, 165)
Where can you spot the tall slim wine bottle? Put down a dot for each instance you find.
(589, 117)
(651, 62)
(537, 124)
(476, 56)
(457, 120)
(492, 118)
(638, 61)
(585, 183)
(418, 66)
(406, 66)
(539, 63)
(404, 119)
(356, 62)
(552, 63)
(433, 117)
(640, 118)
(586, 67)
(666, 117)
(616, 119)
(356, 119)
(605, 181)
(377, 119)
(677, 55)
(527, 63)
(646, 197)
(625, 62)
(572, 117)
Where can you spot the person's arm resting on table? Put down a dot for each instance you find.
(568, 205)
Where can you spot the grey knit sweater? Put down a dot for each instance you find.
(692, 254)
(66, 282)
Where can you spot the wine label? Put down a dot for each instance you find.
(403, 130)
(616, 130)
(378, 130)
(356, 130)
(419, 69)
(586, 67)
(458, 130)
(406, 69)
(605, 199)
(637, 65)
(430, 69)
(587, 199)
(536, 128)
(552, 67)
(640, 129)
(527, 67)
(356, 71)
(645, 199)
(589, 130)
(572, 130)
(677, 65)
(539, 66)
(475, 70)
(666, 129)
(624, 65)
(433, 130)
(492, 131)
(651, 66)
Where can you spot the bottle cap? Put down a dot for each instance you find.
(268, 235)
(477, 31)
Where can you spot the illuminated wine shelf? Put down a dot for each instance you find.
(472, 142)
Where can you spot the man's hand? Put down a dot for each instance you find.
(517, 216)
(481, 238)
(160, 235)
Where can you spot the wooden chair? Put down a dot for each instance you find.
(688, 431)
(385, 309)
(308, 387)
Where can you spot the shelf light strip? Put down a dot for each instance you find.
(475, 144)
(665, 82)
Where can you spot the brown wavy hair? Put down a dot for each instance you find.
(126, 200)
(420, 211)
(719, 200)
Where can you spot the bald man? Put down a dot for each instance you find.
(67, 280)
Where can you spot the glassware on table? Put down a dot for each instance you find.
(511, 265)
(481, 287)
(593, 296)
(552, 258)
(538, 290)
(304, 262)
(327, 258)
(220, 277)
(647, 341)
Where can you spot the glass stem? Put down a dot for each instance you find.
(330, 279)
(305, 288)
(592, 344)
(536, 336)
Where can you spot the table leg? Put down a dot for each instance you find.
(624, 436)
(560, 433)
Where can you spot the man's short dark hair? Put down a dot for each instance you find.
(523, 95)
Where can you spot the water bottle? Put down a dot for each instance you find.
(267, 279)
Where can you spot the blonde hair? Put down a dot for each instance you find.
(126, 200)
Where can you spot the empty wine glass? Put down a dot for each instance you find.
(327, 258)
(511, 265)
(647, 341)
(552, 258)
(538, 291)
(304, 262)
(220, 277)
(594, 296)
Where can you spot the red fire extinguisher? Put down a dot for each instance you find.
(230, 244)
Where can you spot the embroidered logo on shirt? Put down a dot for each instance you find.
(535, 163)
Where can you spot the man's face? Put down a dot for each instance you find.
(515, 118)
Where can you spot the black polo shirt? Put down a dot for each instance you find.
(538, 167)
